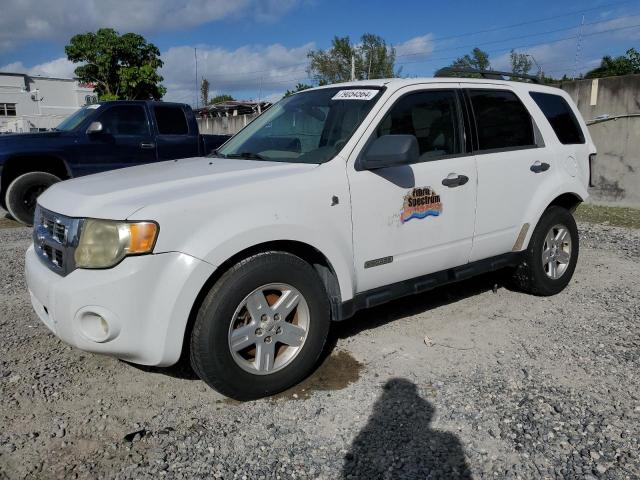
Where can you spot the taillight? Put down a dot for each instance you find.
(592, 159)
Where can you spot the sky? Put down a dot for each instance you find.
(257, 49)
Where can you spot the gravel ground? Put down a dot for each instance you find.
(468, 381)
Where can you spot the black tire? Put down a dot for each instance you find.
(531, 275)
(23, 193)
(211, 356)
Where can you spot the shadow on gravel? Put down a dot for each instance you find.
(398, 441)
(415, 304)
(181, 370)
(336, 370)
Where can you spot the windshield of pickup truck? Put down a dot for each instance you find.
(308, 127)
(72, 121)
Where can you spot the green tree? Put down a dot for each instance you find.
(221, 98)
(204, 92)
(298, 88)
(372, 58)
(122, 67)
(626, 64)
(477, 60)
(520, 63)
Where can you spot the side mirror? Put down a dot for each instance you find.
(94, 127)
(390, 151)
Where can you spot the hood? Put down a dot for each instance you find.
(27, 137)
(24, 141)
(117, 194)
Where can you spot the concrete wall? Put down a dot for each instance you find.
(616, 171)
(224, 125)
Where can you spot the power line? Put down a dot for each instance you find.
(528, 45)
(477, 32)
(476, 44)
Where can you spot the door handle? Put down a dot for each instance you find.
(147, 145)
(455, 180)
(538, 167)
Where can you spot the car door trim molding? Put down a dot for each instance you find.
(423, 283)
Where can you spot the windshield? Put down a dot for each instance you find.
(72, 121)
(309, 127)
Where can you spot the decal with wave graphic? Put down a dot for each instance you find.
(419, 203)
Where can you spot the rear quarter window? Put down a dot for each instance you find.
(502, 121)
(560, 116)
(171, 120)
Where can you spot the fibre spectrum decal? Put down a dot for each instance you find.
(421, 203)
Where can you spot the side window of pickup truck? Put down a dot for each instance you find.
(171, 120)
(432, 116)
(125, 120)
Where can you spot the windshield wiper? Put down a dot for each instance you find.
(246, 155)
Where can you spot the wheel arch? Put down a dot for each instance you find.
(306, 252)
(567, 199)
(20, 164)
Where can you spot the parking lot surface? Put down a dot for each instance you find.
(469, 381)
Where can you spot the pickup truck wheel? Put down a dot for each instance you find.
(23, 193)
(552, 255)
(262, 326)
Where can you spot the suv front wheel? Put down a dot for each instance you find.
(552, 255)
(262, 326)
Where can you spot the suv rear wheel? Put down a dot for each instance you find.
(261, 327)
(552, 255)
(23, 193)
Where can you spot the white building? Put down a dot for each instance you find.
(30, 103)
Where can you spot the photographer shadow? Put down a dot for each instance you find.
(399, 442)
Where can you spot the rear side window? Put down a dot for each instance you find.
(502, 120)
(560, 116)
(171, 121)
(432, 117)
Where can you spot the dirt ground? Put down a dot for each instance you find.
(469, 381)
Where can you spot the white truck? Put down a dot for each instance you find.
(336, 199)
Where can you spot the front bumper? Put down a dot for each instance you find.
(136, 311)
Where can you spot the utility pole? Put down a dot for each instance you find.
(353, 67)
(195, 54)
(578, 48)
(259, 95)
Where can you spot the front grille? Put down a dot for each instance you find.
(55, 238)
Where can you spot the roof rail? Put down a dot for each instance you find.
(492, 74)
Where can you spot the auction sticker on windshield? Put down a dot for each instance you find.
(355, 95)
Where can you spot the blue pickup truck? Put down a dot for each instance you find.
(98, 137)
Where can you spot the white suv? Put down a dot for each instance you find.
(335, 199)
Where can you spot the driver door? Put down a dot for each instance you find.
(406, 222)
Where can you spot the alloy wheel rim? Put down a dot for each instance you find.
(556, 251)
(269, 328)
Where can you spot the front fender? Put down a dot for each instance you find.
(335, 251)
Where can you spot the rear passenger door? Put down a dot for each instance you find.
(406, 221)
(507, 146)
(174, 137)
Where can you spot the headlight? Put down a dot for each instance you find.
(104, 243)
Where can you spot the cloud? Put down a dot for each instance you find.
(59, 67)
(268, 70)
(26, 20)
(417, 47)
